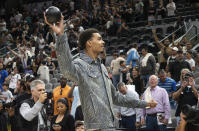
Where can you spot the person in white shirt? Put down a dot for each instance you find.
(130, 116)
(171, 7)
(43, 72)
(6, 94)
(190, 60)
(14, 78)
(7, 59)
(116, 67)
(18, 17)
(74, 93)
(31, 110)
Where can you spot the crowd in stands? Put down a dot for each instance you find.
(27, 47)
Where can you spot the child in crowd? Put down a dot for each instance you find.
(79, 126)
(6, 95)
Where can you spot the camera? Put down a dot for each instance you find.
(187, 76)
(192, 115)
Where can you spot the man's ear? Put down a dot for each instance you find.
(88, 44)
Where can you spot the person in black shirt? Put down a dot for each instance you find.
(3, 119)
(63, 121)
(176, 66)
(135, 79)
(161, 10)
(186, 93)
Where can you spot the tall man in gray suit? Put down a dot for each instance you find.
(97, 94)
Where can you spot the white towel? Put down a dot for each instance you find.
(145, 59)
(147, 95)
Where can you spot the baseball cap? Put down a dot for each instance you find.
(175, 48)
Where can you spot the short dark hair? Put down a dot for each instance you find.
(145, 47)
(121, 62)
(65, 102)
(5, 84)
(85, 36)
(79, 123)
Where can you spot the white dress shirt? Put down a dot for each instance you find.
(125, 111)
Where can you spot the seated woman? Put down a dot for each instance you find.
(63, 121)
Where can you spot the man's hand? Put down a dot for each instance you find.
(42, 97)
(165, 121)
(59, 28)
(184, 84)
(152, 103)
(11, 111)
(137, 124)
(118, 115)
(142, 121)
(154, 31)
(191, 81)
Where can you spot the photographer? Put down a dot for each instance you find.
(31, 110)
(186, 94)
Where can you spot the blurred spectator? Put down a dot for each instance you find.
(123, 72)
(13, 79)
(3, 119)
(171, 8)
(115, 56)
(161, 10)
(74, 93)
(116, 67)
(4, 75)
(18, 17)
(63, 121)
(180, 23)
(168, 84)
(172, 58)
(130, 116)
(165, 49)
(7, 60)
(2, 25)
(174, 71)
(32, 115)
(151, 13)
(147, 65)
(43, 72)
(139, 7)
(50, 65)
(186, 93)
(61, 92)
(79, 126)
(7, 96)
(158, 117)
(190, 60)
(133, 56)
(135, 79)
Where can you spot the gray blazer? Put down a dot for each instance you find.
(97, 93)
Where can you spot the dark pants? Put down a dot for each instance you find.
(129, 122)
(145, 78)
(152, 124)
(116, 80)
